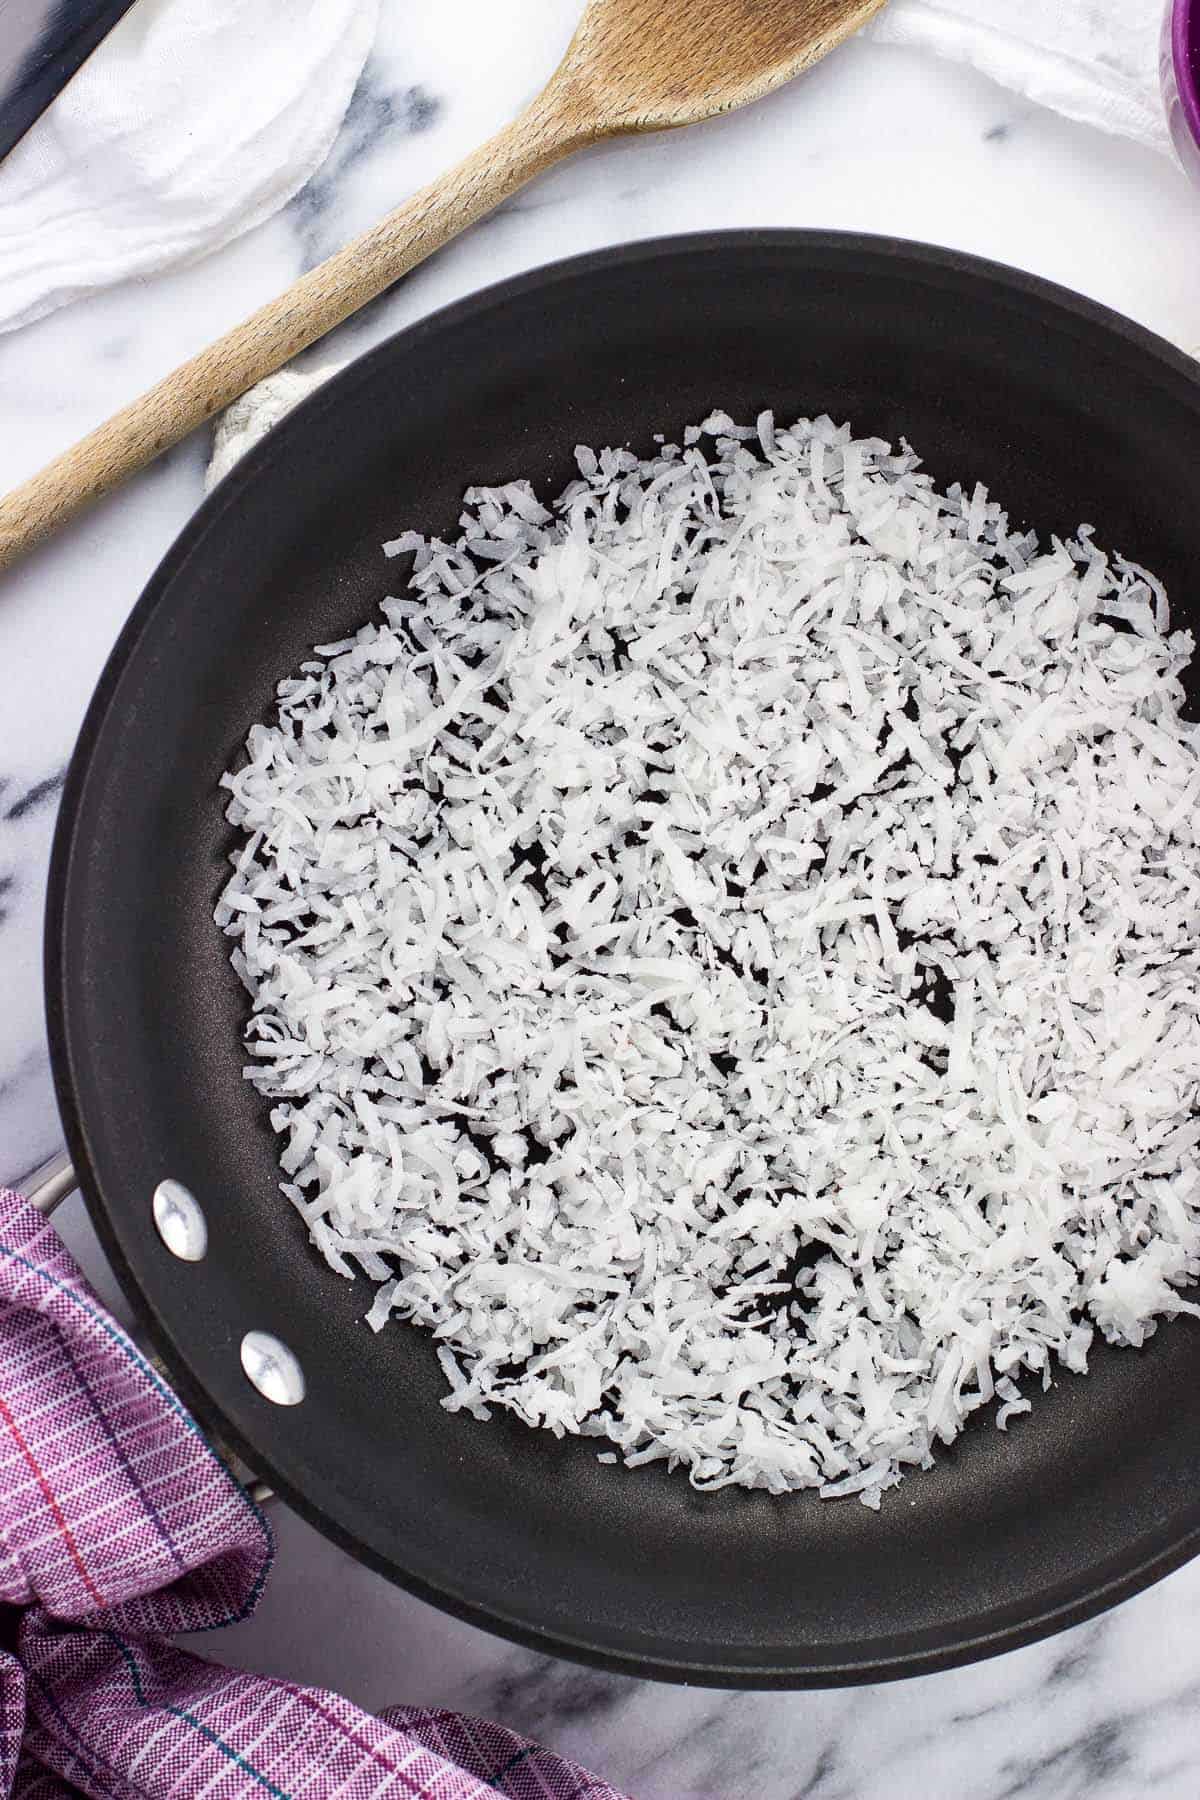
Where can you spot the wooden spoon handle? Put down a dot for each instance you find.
(266, 340)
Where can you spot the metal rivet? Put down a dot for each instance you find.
(181, 1223)
(271, 1367)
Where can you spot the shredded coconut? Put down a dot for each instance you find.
(723, 955)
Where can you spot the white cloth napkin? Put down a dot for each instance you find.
(1094, 60)
(193, 121)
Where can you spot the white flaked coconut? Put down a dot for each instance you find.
(723, 955)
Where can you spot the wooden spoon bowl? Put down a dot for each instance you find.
(647, 65)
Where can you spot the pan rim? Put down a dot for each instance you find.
(1148, 1559)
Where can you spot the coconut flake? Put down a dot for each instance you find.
(721, 955)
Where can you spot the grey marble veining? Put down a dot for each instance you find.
(379, 114)
(42, 793)
(876, 140)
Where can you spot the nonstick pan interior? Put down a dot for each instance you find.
(1069, 415)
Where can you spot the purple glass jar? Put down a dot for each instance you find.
(1181, 80)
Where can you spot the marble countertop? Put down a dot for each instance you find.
(876, 139)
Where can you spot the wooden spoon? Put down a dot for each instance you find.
(633, 65)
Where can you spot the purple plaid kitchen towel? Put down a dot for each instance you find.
(120, 1528)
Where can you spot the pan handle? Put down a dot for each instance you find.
(49, 1187)
(46, 1190)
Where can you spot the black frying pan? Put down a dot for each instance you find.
(1071, 415)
